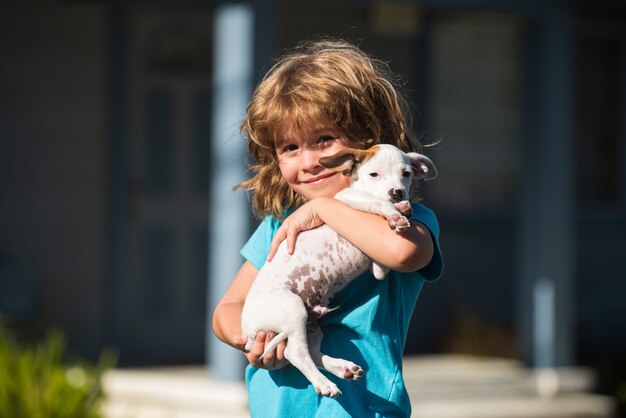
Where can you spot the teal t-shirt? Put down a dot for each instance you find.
(369, 329)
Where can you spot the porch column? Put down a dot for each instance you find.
(228, 211)
(547, 207)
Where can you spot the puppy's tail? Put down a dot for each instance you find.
(274, 343)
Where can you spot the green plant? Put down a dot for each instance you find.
(37, 381)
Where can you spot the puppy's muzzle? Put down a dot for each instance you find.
(396, 195)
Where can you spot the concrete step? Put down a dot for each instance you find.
(565, 406)
(177, 392)
(439, 387)
(454, 376)
(475, 387)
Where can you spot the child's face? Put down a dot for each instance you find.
(298, 158)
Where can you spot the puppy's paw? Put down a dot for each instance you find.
(328, 389)
(405, 208)
(398, 223)
(344, 369)
(354, 372)
(319, 310)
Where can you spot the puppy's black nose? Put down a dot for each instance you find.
(396, 194)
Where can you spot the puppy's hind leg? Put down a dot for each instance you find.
(297, 351)
(339, 367)
(298, 355)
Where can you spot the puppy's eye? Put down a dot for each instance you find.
(406, 174)
(374, 174)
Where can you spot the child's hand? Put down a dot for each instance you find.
(273, 360)
(303, 219)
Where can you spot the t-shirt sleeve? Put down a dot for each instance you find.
(427, 217)
(258, 246)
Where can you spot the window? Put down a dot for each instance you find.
(599, 90)
(476, 111)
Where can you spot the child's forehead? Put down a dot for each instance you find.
(298, 132)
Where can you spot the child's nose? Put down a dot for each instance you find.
(310, 159)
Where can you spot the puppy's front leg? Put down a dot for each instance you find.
(366, 202)
(404, 208)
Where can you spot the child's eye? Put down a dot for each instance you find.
(325, 138)
(290, 148)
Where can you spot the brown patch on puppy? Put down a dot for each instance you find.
(345, 160)
(300, 272)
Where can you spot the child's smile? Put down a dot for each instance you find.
(298, 158)
(319, 179)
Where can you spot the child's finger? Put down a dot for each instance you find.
(269, 358)
(291, 241)
(259, 345)
(279, 237)
(280, 352)
(275, 359)
(240, 341)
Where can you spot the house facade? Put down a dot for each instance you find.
(120, 143)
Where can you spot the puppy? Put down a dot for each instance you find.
(292, 291)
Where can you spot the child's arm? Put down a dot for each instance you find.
(227, 322)
(407, 251)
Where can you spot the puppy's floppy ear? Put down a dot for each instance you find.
(343, 161)
(423, 167)
(346, 159)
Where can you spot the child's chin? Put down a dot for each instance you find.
(325, 192)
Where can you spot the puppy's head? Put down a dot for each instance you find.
(382, 170)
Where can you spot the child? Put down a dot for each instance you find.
(320, 98)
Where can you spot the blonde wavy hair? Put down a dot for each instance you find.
(325, 81)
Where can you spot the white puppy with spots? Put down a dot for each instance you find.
(292, 291)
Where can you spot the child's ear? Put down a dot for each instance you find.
(343, 161)
(423, 167)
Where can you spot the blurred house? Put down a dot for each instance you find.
(106, 167)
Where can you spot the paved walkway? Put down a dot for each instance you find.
(439, 386)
